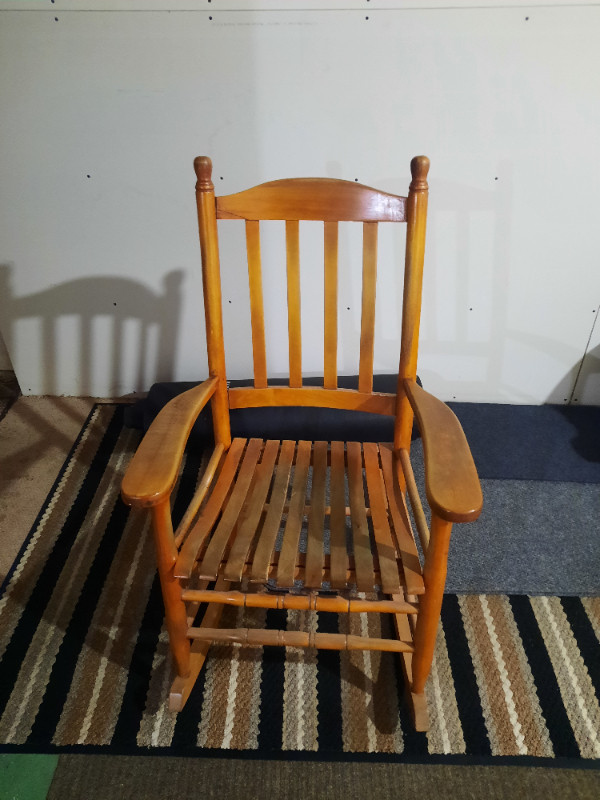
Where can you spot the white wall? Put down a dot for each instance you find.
(100, 274)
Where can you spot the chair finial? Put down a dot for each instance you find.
(203, 169)
(419, 167)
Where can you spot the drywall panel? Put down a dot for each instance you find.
(103, 112)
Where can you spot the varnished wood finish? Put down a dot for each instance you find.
(386, 550)
(273, 638)
(402, 528)
(430, 604)
(313, 574)
(291, 533)
(330, 305)
(299, 602)
(363, 557)
(322, 199)
(266, 544)
(175, 609)
(209, 566)
(258, 502)
(202, 528)
(253, 512)
(376, 403)
(292, 239)
(153, 470)
(199, 494)
(367, 323)
(182, 686)
(416, 213)
(211, 281)
(451, 480)
(241, 527)
(257, 316)
(415, 500)
(337, 517)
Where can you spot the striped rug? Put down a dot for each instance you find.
(84, 661)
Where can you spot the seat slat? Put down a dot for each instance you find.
(291, 535)
(292, 244)
(220, 538)
(331, 305)
(337, 519)
(251, 520)
(257, 316)
(407, 548)
(203, 526)
(367, 323)
(363, 557)
(386, 549)
(263, 554)
(314, 549)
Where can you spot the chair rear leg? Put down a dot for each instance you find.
(430, 606)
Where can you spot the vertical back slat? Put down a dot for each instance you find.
(257, 316)
(367, 325)
(331, 304)
(292, 244)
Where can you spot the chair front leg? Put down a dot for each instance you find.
(430, 604)
(175, 609)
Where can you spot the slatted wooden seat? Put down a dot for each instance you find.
(325, 543)
(320, 525)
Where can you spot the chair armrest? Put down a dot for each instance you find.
(451, 481)
(153, 469)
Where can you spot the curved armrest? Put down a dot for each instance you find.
(153, 470)
(451, 480)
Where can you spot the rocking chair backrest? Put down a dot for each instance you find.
(330, 201)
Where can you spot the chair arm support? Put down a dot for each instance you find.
(451, 481)
(153, 469)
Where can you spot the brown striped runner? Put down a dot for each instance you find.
(85, 665)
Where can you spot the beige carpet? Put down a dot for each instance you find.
(35, 438)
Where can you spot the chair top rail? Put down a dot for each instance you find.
(322, 199)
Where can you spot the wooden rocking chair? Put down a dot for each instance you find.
(254, 493)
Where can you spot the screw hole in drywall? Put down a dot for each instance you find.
(210, 17)
(229, 301)
(526, 19)
(55, 19)
(366, 18)
(347, 308)
(470, 309)
(495, 179)
(356, 180)
(88, 176)
(114, 304)
(221, 178)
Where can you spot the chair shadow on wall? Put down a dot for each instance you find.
(584, 378)
(145, 320)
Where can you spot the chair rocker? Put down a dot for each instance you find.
(257, 522)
